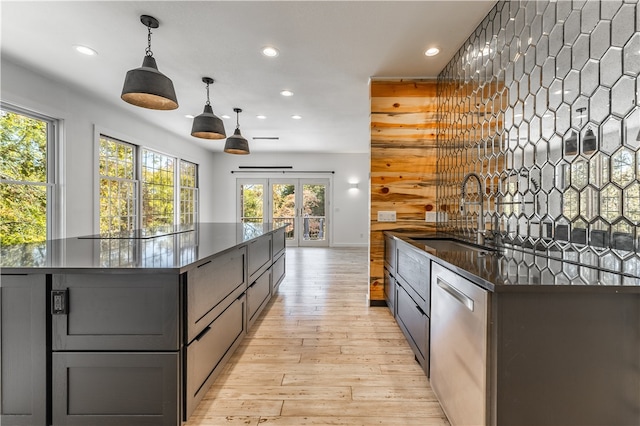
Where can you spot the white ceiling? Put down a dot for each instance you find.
(328, 52)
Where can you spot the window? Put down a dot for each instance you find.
(188, 192)
(140, 188)
(117, 186)
(158, 189)
(27, 180)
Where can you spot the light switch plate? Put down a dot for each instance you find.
(430, 217)
(386, 216)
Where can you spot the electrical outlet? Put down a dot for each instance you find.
(430, 217)
(386, 216)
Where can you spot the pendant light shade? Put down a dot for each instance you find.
(147, 87)
(589, 142)
(236, 143)
(207, 125)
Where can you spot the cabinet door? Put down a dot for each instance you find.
(258, 295)
(414, 324)
(117, 312)
(212, 286)
(390, 291)
(259, 256)
(414, 269)
(390, 254)
(208, 352)
(278, 272)
(116, 388)
(24, 358)
(279, 242)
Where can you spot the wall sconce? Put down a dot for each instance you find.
(353, 185)
(147, 87)
(207, 125)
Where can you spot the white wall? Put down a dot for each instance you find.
(349, 225)
(81, 114)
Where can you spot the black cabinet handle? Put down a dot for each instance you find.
(421, 311)
(202, 333)
(205, 263)
(60, 302)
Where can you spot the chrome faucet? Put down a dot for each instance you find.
(480, 232)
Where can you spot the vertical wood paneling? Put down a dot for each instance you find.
(403, 163)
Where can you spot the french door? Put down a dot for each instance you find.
(302, 204)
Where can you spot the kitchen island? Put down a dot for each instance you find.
(510, 336)
(129, 329)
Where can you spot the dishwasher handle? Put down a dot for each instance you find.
(455, 293)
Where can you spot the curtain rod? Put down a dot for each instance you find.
(283, 171)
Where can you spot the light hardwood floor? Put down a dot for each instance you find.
(319, 355)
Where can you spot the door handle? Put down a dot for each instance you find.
(455, 293)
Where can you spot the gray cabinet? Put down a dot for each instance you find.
(23, 371)
(414, 323)
(259, 252)
(115, 388)
(279, 242)
(413, 298)
(413, 268)
(121, 312)
(211, 286)
(390, 272)
(258, 294)
(207, 354)
(277, 272)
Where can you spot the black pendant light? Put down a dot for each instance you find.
(589, 142)
(207, 125)
(147, 87)
(236, 143)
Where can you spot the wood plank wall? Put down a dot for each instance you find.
(403, 163)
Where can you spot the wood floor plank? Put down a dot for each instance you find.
(320, 355)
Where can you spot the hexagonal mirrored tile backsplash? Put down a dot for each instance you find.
(541, 103)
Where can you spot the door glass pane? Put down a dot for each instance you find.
(314, 218)
(251, 202)
(284, 206)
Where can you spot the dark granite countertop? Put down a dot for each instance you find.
(511, 268)
(170, 249)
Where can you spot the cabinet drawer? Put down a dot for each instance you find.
(117, 312)
(212, 286)
(23, 331)
(390, 291)
(415, 324)
(259, 256)
(390, 253)
(116, 388)
(208, 352)
(278, 272)
(414, 268)
(279, 242)
(258, 295)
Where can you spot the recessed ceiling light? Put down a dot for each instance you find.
(296, 117)
(286, 93)
(269, 51)
(432, 51)
(85, 50)
(261, 117)
(189, 116)
(225, 116)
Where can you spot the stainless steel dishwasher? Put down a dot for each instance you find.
(459, 329)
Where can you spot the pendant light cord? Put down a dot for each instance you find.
(208, 103)
(237, 119)
(148, 51)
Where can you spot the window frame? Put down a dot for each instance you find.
(139, 148)
(53, 209)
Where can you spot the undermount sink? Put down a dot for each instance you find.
(448, 245)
